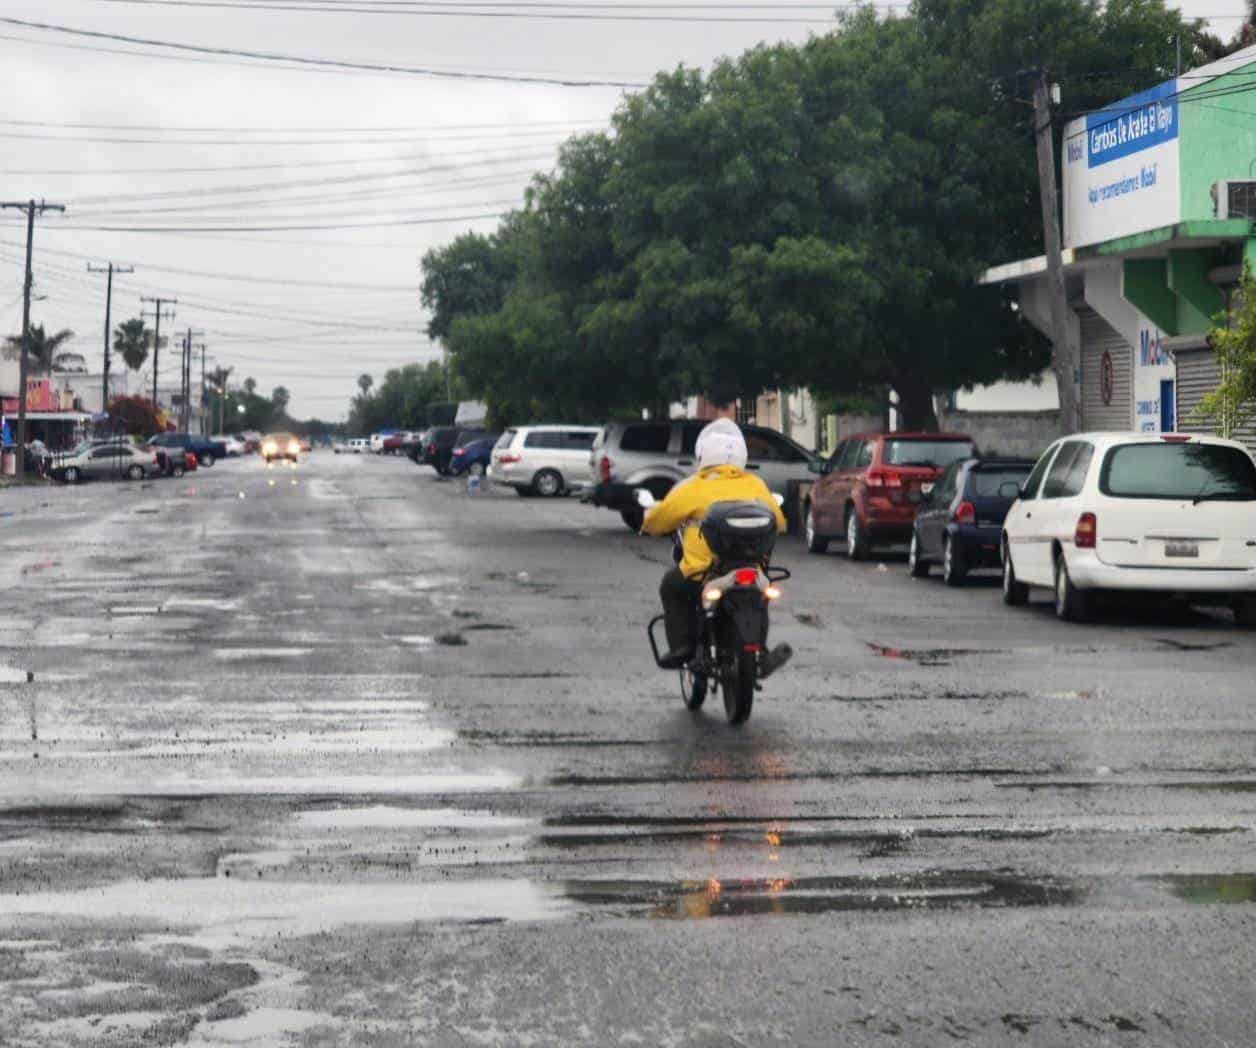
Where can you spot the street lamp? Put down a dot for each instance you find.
(240, 408)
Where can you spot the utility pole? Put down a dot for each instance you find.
(1064, 354)
(204, 420)
(185, 385)
(111, 269)
(30, 207)
(158, 303)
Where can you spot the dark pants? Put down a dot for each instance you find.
(680, 605)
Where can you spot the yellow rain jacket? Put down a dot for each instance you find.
(686, 504)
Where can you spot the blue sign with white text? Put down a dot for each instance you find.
(1133, 124)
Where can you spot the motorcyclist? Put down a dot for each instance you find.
(720, 477)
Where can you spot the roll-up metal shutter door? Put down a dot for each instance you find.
(1098, 338)
(1198, 374)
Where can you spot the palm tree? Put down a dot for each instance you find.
(365, 382)
(42, 348)
(133, 341)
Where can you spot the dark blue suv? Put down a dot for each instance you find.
(961, 517)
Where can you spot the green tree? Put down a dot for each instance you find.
(250, 386)
(136, 414)
(401, 400)
(280, 397)
(132, 340)
(365, 382)
(1233, 402)
(41, 348)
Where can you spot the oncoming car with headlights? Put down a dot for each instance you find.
(280, 446)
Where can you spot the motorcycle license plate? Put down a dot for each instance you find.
(1179, 548)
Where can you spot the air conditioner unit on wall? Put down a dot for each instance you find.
(1234, 199)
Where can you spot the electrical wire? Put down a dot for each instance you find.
(317, 61)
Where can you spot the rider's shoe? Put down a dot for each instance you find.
(775, 659)
(676, 658)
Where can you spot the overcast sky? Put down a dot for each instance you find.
(309, 309)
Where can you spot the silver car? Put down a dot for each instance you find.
(94, 461)
(543, 460)
(656, 454)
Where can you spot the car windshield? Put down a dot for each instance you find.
(936, 453)
(1178, 471)
(986, 482)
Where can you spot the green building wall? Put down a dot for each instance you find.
(1217, 137)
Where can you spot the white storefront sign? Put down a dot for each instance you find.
(1122, 168)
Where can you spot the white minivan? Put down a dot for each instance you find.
(543, 460)
(1169, 513)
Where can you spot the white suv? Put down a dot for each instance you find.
(543, 460)
(1169, 513)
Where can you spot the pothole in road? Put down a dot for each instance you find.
(927, 656)
(784, 896)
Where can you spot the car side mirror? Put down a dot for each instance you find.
(644, 499)
(1009, 489)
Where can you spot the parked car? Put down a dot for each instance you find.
(441, 441)
(543, 460)
(417, 448)
(656, 454)
(474, 457)
(1170, 514)
(93, 461)
(280, 446)
(960, 521)
(233, 445)
(870, 488)
(252, 441)
(206, 450)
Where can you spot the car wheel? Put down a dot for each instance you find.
(1015, 593)
(816, 543)
(857, 547)
(177, 471)
(71, 475)
(135, 473)
(953, 567)
(1245, 612)
(1071, 604)
(548, 483)
(207, 460)
(476, 469)
(916, 564)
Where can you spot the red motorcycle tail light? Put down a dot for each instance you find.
(745, 576)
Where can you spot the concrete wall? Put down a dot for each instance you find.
(1218, 138)
(1005, 433)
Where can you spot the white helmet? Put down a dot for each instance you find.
(721, 444)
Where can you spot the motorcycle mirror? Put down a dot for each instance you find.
(644, 499)
(780, 499)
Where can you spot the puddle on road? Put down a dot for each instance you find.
(382, 816)
(234, 654)
(1208, 889)
(784, 896)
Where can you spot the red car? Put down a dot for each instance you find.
(870, 488)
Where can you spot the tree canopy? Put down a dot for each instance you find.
(401, 400)
(803, 215)
(41, 349)
(132, 340)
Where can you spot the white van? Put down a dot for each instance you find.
(543, 460)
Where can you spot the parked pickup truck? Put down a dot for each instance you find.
(207, 451)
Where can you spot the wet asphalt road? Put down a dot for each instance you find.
(340, 755)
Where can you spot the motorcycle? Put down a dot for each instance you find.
(732, 655)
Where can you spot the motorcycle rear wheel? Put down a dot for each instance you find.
(739, 682)
(693, 688)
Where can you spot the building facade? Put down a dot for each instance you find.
(1159, 206)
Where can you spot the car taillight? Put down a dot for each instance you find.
(1087, 531)
(431, 449)
(881, 478)
(965, 513)
(460, 451)
(509, 458)
(1175, 438)
(604, 469)
(745, 576)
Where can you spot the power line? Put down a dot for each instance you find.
(289, 229)
(426, 129)
(317, 62)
